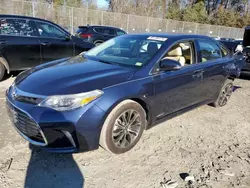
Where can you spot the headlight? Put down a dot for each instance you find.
(70, 102)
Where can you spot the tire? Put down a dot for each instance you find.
(2, 71)
(98, 43)
(225, 94)
(245, 74)
(118, 137)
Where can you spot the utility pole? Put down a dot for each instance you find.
(33, 8)
(50, 2)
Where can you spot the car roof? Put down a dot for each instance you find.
(172, 36)
(247, 27)
(99, 26)
(25, 17)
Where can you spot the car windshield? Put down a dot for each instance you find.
(127, 51)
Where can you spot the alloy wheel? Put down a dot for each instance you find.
(126, 128)
(225, 95)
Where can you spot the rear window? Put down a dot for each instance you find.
(120, 32)
(19, 27)
(82, 30)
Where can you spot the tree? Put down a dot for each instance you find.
(173, 11)
(233, 13)
(60, 2)
(66, 2)
(164, 8)
(155, 8)
(195, 13)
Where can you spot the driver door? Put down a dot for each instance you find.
(178, 89)
(54, 42)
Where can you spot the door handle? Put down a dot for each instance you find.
(2, 42)
(198, 74)
(45, 43)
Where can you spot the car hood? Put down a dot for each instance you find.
(71, 76)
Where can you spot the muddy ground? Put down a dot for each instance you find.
(211, 144)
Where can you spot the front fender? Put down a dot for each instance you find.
(141, 90)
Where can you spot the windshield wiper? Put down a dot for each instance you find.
(108, 62)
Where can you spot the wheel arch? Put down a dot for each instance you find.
(96, 41)
(231, 78)
(146, 108)
(138, 100)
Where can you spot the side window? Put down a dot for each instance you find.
(108, 31)
(49, 31)
(98, 30)
(181, 52)
(209, 50)
(120, 32)
(17, 27)
(112, 32)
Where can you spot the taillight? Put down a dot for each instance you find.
(84, 35)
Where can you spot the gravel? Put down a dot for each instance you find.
(209, 144)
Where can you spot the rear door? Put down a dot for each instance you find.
(18, 43)
(213, 60)
(55, 42)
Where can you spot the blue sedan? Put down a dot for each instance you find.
(108, 96)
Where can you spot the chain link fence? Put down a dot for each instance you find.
(71, 17)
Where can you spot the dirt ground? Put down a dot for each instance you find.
(211, 144)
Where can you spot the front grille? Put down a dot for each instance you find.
(25, 124)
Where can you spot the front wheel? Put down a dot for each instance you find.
(225, 94)
(2, 71)
(123, 127)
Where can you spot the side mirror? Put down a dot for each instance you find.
(169, 65)
(67, 38)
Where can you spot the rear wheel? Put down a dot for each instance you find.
(123, 127)
(225, 94)
(2, 71)
(98, 43)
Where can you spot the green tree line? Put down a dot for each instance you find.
(219, 15)
(232, 13)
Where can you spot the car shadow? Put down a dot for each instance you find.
(12, 74)
(51, 170)
(245, 76)
(236, 88)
